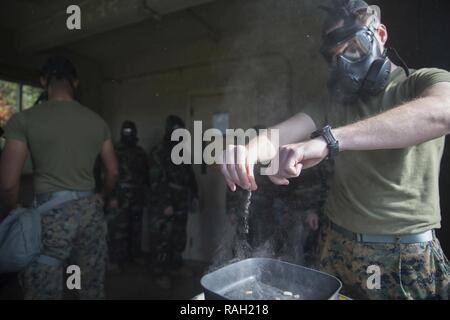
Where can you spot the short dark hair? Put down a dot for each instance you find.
(349, 11)
(59, 68)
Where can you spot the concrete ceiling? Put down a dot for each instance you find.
(112, 36)
(40, 25)
(211, 21)
(146, 36)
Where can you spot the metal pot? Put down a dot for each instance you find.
(269, 279)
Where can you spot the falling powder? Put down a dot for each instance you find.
(248, 201)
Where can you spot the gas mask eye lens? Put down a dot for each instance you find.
(353, 53)
(358, 48)
(127, 131)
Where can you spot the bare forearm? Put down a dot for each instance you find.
(110, 163)
(411, 124)
(109, 185)
(11, 164)
(296, 129)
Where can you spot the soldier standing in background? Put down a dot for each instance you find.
(173, 193)
(63, 155)
(125, 214)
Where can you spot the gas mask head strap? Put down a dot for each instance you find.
(348, 12)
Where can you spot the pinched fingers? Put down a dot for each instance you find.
(237, 169)
(228, 179)
(279, 181)
(251, 175)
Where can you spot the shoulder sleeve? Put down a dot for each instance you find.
(15, 129)
(425, 78)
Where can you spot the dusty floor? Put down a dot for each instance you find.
(135, 282)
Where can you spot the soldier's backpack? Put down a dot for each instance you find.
(20, 236)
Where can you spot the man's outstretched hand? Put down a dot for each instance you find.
(239, 163)
(294, 158)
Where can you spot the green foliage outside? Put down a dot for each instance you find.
(29, 96)
(9, 91)
(10, 103)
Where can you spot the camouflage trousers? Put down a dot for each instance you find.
(168, 237)
(125, 231)
(407, 271)
(74, 233)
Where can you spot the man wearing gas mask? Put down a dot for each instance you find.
(125, 214)
(385, 128)
(173, 195)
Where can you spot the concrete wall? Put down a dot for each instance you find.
(277, 55)
(264, 45)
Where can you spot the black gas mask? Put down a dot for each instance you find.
(360, 68)
(128, 134)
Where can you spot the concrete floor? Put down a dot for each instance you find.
(138, 282)
(135, 282)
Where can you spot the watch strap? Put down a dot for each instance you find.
(332, 143)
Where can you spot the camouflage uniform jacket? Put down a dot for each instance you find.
(170, 184)
(133, 165)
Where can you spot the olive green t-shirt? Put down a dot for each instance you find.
(386, 192)
(64, 140)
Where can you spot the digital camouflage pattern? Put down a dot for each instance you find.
(133, 165)
(170, 186)
(277, 214)
(74, 233)
(408, 271)
(125, 223)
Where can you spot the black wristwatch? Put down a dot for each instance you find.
(332, 143)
